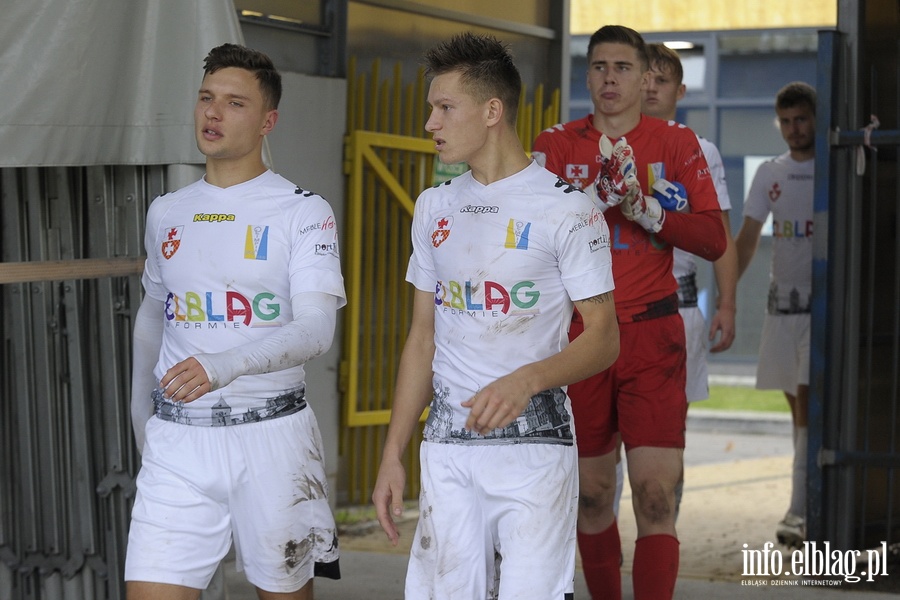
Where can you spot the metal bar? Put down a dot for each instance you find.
(65, 219)
(819, 336)
(32, 340)
(446, 14)
(843, 400)
(79, 509)
(60, 270)
(881, 460)
(878, 137)
(868, 325)
(895, 330)
(294, 26)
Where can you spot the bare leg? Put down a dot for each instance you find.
(146, 590)
(654, 473)
(597, 489)
(304, 593)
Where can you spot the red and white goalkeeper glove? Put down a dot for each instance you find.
(645, 211)
(650, 211)
(617, 180)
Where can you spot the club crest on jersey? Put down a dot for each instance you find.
(256, 242)
(441, 231)
(576, 172)
(775, 192)
(655, 171)
(517, 235)
(172, 242)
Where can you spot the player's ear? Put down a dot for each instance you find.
(269, 123)
(494, 111)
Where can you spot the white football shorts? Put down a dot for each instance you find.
(695, 336)
(783, 353)
(496, 521)
(262, 484)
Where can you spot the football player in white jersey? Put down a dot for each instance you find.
(242, 283)
(783, 187)
(501, 254)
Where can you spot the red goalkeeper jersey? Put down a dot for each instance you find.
(642, 261)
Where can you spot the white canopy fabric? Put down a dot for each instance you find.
(105, 82)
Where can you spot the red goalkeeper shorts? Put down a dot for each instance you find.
(641, 395)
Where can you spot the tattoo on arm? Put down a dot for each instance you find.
(607, 297)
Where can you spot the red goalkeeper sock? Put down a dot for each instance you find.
(601, 556)
(655, 567)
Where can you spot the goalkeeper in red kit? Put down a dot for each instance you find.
(639, 170)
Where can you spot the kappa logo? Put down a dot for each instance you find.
(479, 209)
(213, 218)
(441, 231)
(775, 192)
(172, 242)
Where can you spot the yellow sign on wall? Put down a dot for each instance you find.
(701, 15)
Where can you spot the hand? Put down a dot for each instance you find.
(186, 381)
(722, 322)
(671, 195)
(497, 405)
(388, 493)
(617, 180)
(645, 211)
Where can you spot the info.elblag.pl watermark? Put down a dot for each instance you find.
(816, 564)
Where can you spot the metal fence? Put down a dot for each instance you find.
(854, 466)
(69, 278)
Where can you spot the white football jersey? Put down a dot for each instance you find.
(505, 262)
(226, 263)
(785, 187)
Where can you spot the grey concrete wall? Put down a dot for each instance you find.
(307, 147)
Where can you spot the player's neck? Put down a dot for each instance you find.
(803, 155)
(615, 126)
(496, 161)
(226, 173)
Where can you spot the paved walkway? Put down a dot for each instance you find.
(736, 488)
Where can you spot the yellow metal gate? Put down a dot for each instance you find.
(390, 159)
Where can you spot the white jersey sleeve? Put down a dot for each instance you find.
(683, 263)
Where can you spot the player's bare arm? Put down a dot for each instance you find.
(746, 242)
(726, 270)
(600, 299)
(412, 395)
(505, 399)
